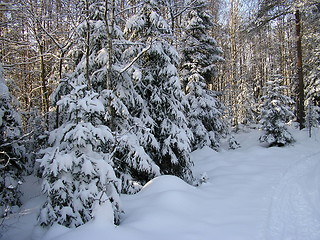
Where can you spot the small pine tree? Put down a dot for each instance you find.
(233, 143)
(158, 84)
(77, 169)
(200, 54)
(274, 114)
(12, 154)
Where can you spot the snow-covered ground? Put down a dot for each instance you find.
(252, 193)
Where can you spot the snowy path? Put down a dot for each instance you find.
(296, 200)
(242, 190)
(252, 193)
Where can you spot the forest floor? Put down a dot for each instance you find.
(251, 193)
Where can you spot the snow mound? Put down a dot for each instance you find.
(295, 212)
(164, 183)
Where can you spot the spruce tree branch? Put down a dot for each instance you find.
(17, 140)
(135, 59)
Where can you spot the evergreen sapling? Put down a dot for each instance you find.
(275, 114)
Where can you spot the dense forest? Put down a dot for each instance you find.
(97, 97)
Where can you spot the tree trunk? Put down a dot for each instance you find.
(300, 99)
(45, 96)
(233, 26)
(88, 46)
(109, 20)
(60, 77)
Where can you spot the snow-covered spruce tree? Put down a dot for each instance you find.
(110, 79)
(78, 172)
(275, 112)
(131, 162)
(200, 54)
(199, 50)
(77, 167)
(154, 62)
(12, 153)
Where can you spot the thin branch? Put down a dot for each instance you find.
(135, 59)
(8, 161)
(62, 48)
(17, 140)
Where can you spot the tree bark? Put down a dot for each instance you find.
(234, 74)
(110, 21)
(45, 95)
(88, 46)
(300, 99)
(60, 77)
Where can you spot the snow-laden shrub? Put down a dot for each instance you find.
(77, 168)
(275, 114)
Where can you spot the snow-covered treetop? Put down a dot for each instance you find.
(199, 17)
(199, 50)
(147, 22)
(274, 89)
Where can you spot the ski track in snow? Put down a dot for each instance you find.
(296, 201)
(252, 193)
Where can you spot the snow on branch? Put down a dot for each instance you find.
(15, 141)
(135, 59)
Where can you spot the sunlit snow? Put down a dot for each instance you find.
(251, 193)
